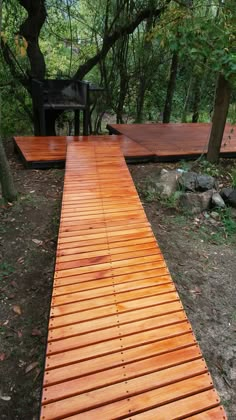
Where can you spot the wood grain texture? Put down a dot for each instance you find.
(119, 342)
(178, 140)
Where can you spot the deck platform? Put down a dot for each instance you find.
(120, 345)
(47, 152)
(171, 142)
(138, 142)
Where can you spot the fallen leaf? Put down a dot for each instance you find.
(17, 309)
(21, 363)
(37, 374)
(6, 398)
(196, 291)
(37, 241)
(14, 284)
(36, 333)
(31, 367)
(2, 356)
(19, 333)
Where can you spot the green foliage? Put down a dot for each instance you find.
(209, 168)
(229, 224)
(135, 72)
(5, 270)
(232, 175)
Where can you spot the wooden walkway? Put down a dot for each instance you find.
(119, 345)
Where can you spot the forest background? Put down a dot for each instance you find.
(158, 60)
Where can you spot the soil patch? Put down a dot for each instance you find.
(202, 263)
(28, 236)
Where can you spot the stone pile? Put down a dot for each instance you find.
(192, 192)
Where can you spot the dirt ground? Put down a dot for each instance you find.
(200, 256)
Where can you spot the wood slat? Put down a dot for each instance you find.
(116, 402)
(119, 342)
(112, 360)
(109, 321)
(116, 374)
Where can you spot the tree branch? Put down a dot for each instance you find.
(110, 39)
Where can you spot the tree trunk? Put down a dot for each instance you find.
(30, 30)
(140, 104)
(186, 103)
(8, 190)
(221, 107)
(196, 99)
(170, 89)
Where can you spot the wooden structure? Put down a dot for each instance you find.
(176, 141)
(45, 152)
(139, 142)
(60, 95)
(120, 345)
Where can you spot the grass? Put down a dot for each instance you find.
(224, 233)
(232, 175)
(5, 270)
(228, 222)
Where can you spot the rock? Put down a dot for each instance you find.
(232, 199)
(187, 181)
(218, 201)
(225, 193)
(233, 213)
(215, 215)
(166, 185)
(169, 180)
(213, 221)
(164, 171)
(196, 202)
(205, 183)
(191, 181)
(229, 195)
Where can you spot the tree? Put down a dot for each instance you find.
(221, 107)
(6, 180)
(211, 39)
(170, 88)
(226, 17)
(114, 28)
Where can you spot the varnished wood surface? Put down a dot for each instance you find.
(53, 149)
(120, 345)
(176, 140)
(137, 141)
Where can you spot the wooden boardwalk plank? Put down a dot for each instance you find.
(119, 342)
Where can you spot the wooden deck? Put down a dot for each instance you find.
(176, 141)
(39, 152)
(138, 142)
(119, 344)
